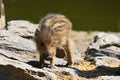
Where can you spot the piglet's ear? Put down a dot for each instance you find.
(37, 32)
(38, 29)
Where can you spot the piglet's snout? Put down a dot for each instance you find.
(47, 56)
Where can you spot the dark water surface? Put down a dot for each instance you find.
(102, 15)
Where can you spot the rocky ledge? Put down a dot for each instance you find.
(19, 59)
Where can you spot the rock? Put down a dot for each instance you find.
(15, 56)
(104, 45)
(104, 51)
(108, 78)
(107, 61)
(16, 70)
(64, 71)
(10, 54)
(9, 40)
(22, 28)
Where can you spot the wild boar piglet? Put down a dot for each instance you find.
(54, 30)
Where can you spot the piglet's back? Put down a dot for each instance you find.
(55, 23)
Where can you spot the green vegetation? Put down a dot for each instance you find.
(85, 15)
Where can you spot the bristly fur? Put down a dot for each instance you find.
(54, 29)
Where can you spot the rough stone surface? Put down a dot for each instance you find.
(18, 60)
(16, 70)
(9, 40)
(10, 54)
(104, 45)
(108, 78)
(22, 28)
(104, 51)
(107, 61)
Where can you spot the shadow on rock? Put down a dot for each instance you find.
(101, 71)
(36, 64)
(9, 72)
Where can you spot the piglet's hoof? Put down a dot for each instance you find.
(69, 65)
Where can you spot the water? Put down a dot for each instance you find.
(102, 15)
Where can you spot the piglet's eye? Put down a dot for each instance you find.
(41, 44)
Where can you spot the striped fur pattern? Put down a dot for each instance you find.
(54, 30)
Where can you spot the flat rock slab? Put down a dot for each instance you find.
(108, 78)
(22, 28)
(13, 55)
(16, 70)
(10, 54)
(9, 40)
(107, 61)
(104, 44)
